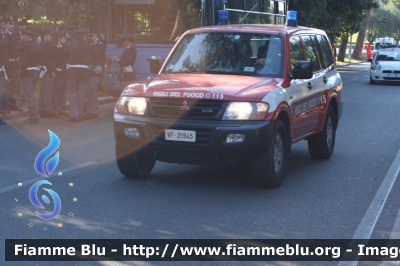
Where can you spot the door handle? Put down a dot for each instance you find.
(310, 85)
(325, 80)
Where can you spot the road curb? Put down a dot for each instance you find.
(102, 100)
(348, 64)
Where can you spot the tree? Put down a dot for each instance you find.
(186, 18)
(369, 4)
(396, 3)
(76, 12)
(311, 13)
(384, 21)
(350, 15)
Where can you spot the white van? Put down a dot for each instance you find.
(384, 42)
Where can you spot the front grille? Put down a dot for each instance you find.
(391, 71)
(391, 78)
(203, 135)
(186, 108)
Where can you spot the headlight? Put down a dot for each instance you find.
(137, 106)
(377, 67)
(120, 106)
(245, 111)
(131, 105)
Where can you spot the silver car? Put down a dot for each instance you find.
(385, 66)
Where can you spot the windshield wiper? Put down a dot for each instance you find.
(231, 72)
(185, 71)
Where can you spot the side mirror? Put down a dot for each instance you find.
(156, 63)
(303, 70)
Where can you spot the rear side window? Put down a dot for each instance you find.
(312, 52)
(296, 52)
(326, 49)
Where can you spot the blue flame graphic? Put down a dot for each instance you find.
(45, 153)
(35, 201)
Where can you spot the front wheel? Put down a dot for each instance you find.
(131, 164)
(321, 145)
(268, 169)
(371, 81)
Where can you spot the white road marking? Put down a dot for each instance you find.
(367, 224)
(390, 263)
(35, 179)
(396, 228)
(394, 235)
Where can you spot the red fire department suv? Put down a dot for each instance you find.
(233, 93)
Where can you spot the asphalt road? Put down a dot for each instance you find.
(352, 195)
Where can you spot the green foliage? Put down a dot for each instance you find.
(338, 18)
(311, 13)
(384, 21)
(76, 12)
(396, 3)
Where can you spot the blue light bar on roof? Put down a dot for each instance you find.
(291, 19)
(223, 17)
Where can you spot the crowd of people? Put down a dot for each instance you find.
(62, 64)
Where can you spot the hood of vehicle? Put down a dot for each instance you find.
(205, 86)
(390, 65)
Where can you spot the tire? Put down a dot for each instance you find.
(131, 164)
(321, 145)
(268, 169)
(371, 81)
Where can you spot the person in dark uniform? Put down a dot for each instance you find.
(79, 54)
(23, 24)
(30, 59)
(47, 75)
(127, 60)
(102, 38)
(2, 122)
(102, 35)
(3, 74)
(4, 54)
(69, 29)
(99, 57)
(2, 29)
(60, 82)
(13, 88)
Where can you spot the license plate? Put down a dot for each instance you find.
(392, 75)
(180, 135)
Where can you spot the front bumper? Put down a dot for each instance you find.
(210, 146)
(385, 75)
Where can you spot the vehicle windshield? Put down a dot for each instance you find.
(388, 56)
(228, 53)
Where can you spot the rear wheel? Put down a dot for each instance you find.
(268, 169)
(322, 144)
(131, 164)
